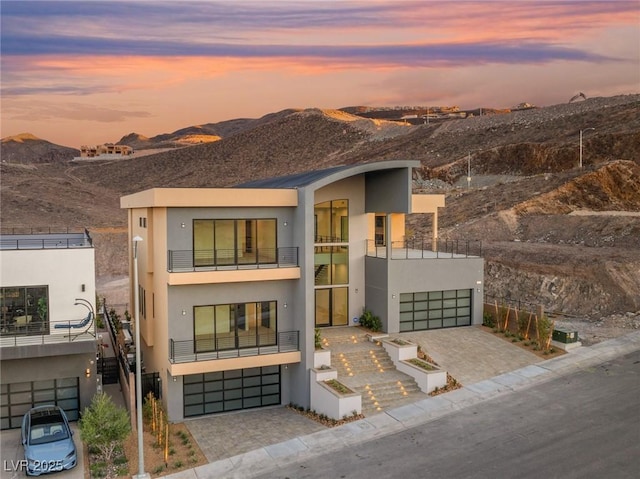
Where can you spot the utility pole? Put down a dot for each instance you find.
(469, 170)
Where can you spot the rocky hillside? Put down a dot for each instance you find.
(27, 149)
(551, 233)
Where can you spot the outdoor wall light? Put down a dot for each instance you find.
(82, 287)
(87, 372)
(393, 296)
(285, 305)
(175, 379)
(285, 223)
(184, 312)
(182, 225)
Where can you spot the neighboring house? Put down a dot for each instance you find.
(47, 334)
(232, 282)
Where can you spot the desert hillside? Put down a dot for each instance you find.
(552, 233)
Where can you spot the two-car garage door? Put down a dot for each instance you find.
(17, 398)
(435, 309)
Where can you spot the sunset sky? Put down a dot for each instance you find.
(88, 72)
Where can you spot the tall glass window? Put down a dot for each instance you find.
(219, 242)
(331, 266)
(332, 221)
(234, 326)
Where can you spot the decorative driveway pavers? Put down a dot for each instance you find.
(471, 354)
(227, 435)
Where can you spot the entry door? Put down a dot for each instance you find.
(332, 307)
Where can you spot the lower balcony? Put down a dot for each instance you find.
(28, 330)
(233, 347)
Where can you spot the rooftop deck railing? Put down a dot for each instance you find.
(225, 259)
(45, 241)
(233, 347)
(426, 248)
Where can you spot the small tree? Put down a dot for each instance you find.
(104, 426)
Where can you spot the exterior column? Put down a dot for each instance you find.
(434, 232)
(387, 234)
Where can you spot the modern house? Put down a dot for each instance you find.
(233, 282)
(47, 327)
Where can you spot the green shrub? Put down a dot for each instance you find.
(488, 320)
(370, 321)
(318, 338)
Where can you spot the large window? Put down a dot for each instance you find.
(234, 326)
(331, 265)
(233, 242)
(24, 310)
(435, 309)
(332, 221)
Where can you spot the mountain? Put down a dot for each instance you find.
(552, 233)
(27, 148)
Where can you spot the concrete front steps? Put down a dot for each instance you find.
(366, 368)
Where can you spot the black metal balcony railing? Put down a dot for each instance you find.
(233, 347)
(44, 243)
(426, 248)
(205, 260)
(25, 330)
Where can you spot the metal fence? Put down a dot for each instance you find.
(426, 248)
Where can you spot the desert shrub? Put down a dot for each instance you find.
(104, 426)
(488, 320)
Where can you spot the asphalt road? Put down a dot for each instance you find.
(584, 425)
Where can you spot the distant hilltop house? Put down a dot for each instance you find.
(523, 106)
(108, 150)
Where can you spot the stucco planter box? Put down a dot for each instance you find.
(400, 352)
(427, 380)
(321, 357)
(326, 400)
(376, 337)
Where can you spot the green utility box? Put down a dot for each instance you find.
(565, 337)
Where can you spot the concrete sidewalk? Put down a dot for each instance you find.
(269, 458)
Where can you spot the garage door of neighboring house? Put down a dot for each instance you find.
(17, 398)
(435, 309)
(231, 390)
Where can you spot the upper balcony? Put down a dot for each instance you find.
(231, 259)
(423, 248)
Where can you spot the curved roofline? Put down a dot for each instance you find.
(319, 178)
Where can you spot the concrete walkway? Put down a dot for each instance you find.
(302, 445)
